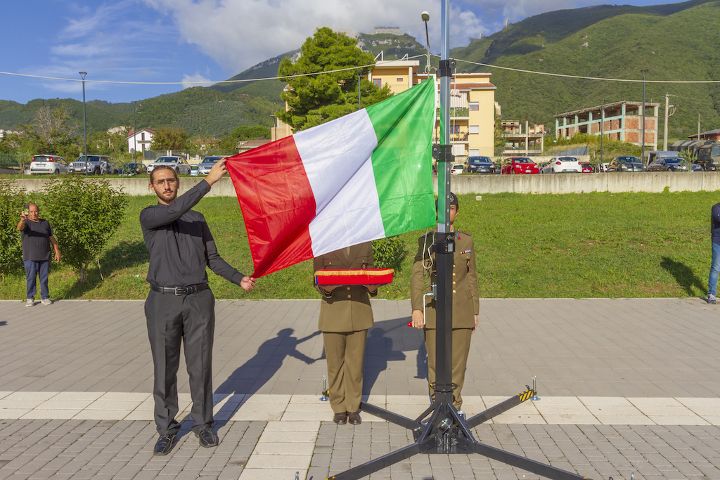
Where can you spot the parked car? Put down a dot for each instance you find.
(519, 165)
(457, 169)
(207, 163)
(480, 165)
(626, 163)
(194, 170)
(587, 168)
(91, 165)
(562, 165)
(667, 164)
(47, 164)
(172, 161)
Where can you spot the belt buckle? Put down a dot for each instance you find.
(180, 291)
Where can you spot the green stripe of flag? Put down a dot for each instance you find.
(402, 160)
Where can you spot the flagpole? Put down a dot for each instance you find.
(445, 242)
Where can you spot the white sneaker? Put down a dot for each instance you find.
(461, 413)
(46, 301)
(29, 302)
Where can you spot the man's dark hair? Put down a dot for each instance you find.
(162, 167)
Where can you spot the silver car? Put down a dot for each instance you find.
(172, 161)
(207, 163)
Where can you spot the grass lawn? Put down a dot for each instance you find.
(589, 245)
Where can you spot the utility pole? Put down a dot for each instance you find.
(665, 132)
(642, 149)
(602, 132)
(698, 137)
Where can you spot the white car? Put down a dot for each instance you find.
(171, 161)
(562, 165)
(48, 164)
(457, 169)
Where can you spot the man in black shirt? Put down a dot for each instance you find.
(36, 240)
(180, 306)
(715, 264)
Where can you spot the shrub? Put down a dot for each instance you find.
(12, 201)
(389, 252)
(83, 215)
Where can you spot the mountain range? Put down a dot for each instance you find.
(673, 41)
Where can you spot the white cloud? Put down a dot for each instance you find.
(195, 80)
(108, 42)
(240, 33)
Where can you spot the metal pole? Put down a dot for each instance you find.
(83, 75)
(445, 245)
(358, 74)
(602, 132)
(134, 132)
(642, 154)
(698, 137)
(425, 17)
(665, 132)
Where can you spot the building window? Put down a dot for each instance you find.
(142, 137)
(377, 82)
(399, 79)
(474, 129)
(474, 106)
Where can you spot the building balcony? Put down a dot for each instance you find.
(459, 137)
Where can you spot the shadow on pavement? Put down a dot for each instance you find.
(684, 276)
(388, 341)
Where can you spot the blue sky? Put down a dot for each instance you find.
(199, 40)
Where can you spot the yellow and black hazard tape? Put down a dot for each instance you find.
(526, 395)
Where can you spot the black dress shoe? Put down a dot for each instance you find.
(164, 444)
(207, 437)
(340, 418)
(354, 418)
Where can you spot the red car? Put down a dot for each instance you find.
(519, 165)
(586, 168)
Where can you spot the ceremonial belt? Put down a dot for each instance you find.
(190, 289)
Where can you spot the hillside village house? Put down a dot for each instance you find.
(140, 141)
(472, 105)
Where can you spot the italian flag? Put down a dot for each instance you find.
(361, 177)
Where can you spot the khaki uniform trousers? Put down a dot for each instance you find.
(460, 351)
(345, 352)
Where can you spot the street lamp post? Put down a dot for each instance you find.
(83, 75)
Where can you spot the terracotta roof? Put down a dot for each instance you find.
(132, 132)
(469, 86)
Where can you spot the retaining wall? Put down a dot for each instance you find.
(479, 184)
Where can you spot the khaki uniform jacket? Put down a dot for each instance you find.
(347, 308)
(465, 290)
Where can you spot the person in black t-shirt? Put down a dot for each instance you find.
(715, 263)
(36, 240)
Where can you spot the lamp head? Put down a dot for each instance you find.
(425, 16)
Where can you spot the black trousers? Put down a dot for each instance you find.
(172, 320)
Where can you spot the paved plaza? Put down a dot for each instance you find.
(627, 387)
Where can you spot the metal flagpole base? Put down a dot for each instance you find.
(441, 430)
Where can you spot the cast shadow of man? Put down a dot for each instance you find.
(684, 276)
(388, 341)
(250, 377)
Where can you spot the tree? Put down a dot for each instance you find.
(12, 200)
(84, 215)
(169, 139)
(312, 100)
(108, 143)
(498, 137)
(51, 131)
(228, 143)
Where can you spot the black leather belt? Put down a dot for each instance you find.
(190, 289)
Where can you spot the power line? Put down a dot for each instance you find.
(190, 82)
(581, 77)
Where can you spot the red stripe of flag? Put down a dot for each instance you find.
(277, 204)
